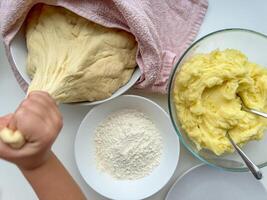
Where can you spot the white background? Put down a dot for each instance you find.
(251, 14)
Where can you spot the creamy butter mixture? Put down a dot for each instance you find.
(207, 103)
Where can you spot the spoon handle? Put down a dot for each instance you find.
(256, 112)
(252, 167)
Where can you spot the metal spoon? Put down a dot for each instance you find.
(252, 167)
(253, 111)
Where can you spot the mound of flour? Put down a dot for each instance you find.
(128, 145)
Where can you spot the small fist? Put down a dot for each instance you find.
(39, 121)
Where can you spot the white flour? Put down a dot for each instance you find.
(128, 145)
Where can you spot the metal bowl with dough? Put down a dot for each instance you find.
(18, 50)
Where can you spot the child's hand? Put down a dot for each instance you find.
(40, 121)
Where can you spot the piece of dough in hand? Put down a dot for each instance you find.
(13, 139)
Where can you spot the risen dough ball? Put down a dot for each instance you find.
(14, 139)
(74, 59)
(207, 104)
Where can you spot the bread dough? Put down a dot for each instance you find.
(74, 59)
(205, 95)
(14, 139)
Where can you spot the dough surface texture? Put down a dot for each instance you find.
(207, 101)
(74, 59)
(14, 139)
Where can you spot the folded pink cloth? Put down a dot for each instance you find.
(162, 28)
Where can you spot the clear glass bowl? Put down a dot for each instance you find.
(254, 46)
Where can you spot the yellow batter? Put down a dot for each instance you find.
(207, 104)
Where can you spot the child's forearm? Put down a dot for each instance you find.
(51, 181)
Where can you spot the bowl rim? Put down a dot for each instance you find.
(170, 87)
(191, 170)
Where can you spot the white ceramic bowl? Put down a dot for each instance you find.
(18, 50)
(103, 183)
(212, 184)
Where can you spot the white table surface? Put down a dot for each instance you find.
(251, 14)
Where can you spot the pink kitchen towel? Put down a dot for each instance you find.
(162, 28)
